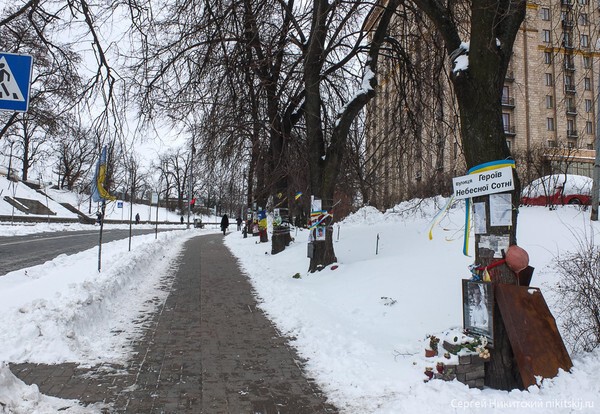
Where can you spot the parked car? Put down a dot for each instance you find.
(558, 189)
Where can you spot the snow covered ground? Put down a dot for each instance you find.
(361, 327)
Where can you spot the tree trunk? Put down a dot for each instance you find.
(479, 91)
(323, 251)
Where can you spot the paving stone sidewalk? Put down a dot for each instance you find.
(207, 350)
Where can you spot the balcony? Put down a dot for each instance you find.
(510, 77)
(510, 130)
(570, 89)
(571, 133)
(566, 3)
(568, 45)
(569, 66)
(571, 110)
(568, 23)
(508, 102)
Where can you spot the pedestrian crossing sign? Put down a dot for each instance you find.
(15, 78)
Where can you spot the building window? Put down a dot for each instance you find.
(585, 40)
(587, 83)
(509, 144)
(584, 2)
(569, 81)
(570, 127)
(546, 36)
(571, 145)
(583, 19)
(588, 105)
(589, 127)
(549, 101)
(548, 57)
(505, 95)
(569, 62)
(587, 62)
(506, 122)
(550, 124)
(545, 12)
(549, 80)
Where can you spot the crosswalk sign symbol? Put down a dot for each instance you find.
(15, 79)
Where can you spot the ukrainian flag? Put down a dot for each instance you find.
(99, 193)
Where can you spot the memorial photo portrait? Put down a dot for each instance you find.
(478, 308)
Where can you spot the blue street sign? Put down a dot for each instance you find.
(119, 204)
(15, 78)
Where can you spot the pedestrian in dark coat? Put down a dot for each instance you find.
(239, 223)
(224, 223)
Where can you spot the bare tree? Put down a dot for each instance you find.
(327, 141)
(175, 165)
(75, 154)
(485, 31)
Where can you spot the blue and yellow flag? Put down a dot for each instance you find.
(99, 193)
(298, 195)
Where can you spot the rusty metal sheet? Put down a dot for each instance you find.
(524, 276)
(532, 332)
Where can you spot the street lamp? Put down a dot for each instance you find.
(190, 187)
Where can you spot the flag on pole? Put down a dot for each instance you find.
(298, 195)
(99, 193)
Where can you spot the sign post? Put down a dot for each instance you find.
(15, 80)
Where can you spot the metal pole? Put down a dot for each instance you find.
(157, 202)
(10, 182)
(596, 172)
(189, 200)
(102, 211)
(131, 203)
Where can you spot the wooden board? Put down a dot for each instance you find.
(536, 343)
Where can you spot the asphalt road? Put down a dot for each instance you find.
(19, 252)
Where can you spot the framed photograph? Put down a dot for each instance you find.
(320, 233)
(478, 309)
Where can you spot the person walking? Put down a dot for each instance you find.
(224, 223)
(238, 220)
(137, 218)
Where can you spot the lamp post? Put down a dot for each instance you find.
(190, 186)
(132, 172)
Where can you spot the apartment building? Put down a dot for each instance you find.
(549, 106)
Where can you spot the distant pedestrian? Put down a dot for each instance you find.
(238, 220)
(224, 223)
(137, 218)
(181, 219)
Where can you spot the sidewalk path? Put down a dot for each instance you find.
(208, 350)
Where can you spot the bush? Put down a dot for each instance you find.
(578, 296)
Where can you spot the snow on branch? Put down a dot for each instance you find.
(460, 58)
(365, 88)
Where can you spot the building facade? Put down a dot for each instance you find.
(549, 105)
